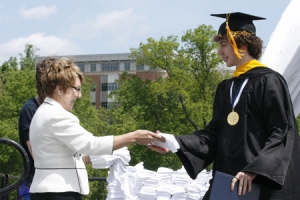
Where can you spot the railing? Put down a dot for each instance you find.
(4, 180)
(97, 179)
(5, 187)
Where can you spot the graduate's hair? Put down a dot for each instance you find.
(254, 44)
(62, 72)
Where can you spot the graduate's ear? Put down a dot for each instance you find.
(243, 49)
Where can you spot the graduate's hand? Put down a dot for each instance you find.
(244, 181)
(158, 149)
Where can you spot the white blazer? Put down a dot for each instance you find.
(57, 140)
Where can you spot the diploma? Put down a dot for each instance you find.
(170, 143)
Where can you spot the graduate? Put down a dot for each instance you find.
(253, 133)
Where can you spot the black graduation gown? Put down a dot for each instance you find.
(264, 141)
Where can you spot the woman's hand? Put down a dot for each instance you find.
(145, 137)
(244, 180)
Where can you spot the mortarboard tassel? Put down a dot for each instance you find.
(231, 39)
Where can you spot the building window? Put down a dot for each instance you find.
(127, 66)
(114, 66)
(104, 104)
(93, 67)
(81, 66)
(109, 105)
(104, 86)
(110, 66)
(93, 87)
(112, 86)
(109, 86)
(140, 67)
(105, 66)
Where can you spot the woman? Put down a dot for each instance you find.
(58, 140)
(253, 133)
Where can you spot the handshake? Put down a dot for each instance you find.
(170, 144)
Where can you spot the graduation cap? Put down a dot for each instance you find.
(237, 23)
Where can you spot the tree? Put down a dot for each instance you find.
(201, 51)
(11, 64)
(28, 61)
(192, 70)
(16, 87)
(193, 65)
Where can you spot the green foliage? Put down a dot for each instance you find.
(28, 61)
(10, 157)
(192, 70)
(17, 86)
(11, 64)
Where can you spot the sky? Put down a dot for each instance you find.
(75, 27)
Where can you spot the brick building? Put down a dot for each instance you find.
(105, 69)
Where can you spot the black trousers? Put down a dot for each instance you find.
(56, 196)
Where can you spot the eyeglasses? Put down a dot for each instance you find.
(76, 88)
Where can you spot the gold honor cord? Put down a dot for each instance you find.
(233, 117)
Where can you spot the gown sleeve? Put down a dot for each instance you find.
(274, 158)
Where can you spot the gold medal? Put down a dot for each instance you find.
(233, 118)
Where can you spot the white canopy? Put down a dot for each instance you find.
(283, 50)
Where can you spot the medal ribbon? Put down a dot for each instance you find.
(235, 99)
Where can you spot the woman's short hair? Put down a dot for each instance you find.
(39, 72)
(253, 43)
(62, 72)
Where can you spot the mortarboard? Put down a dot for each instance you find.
(237, 23)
